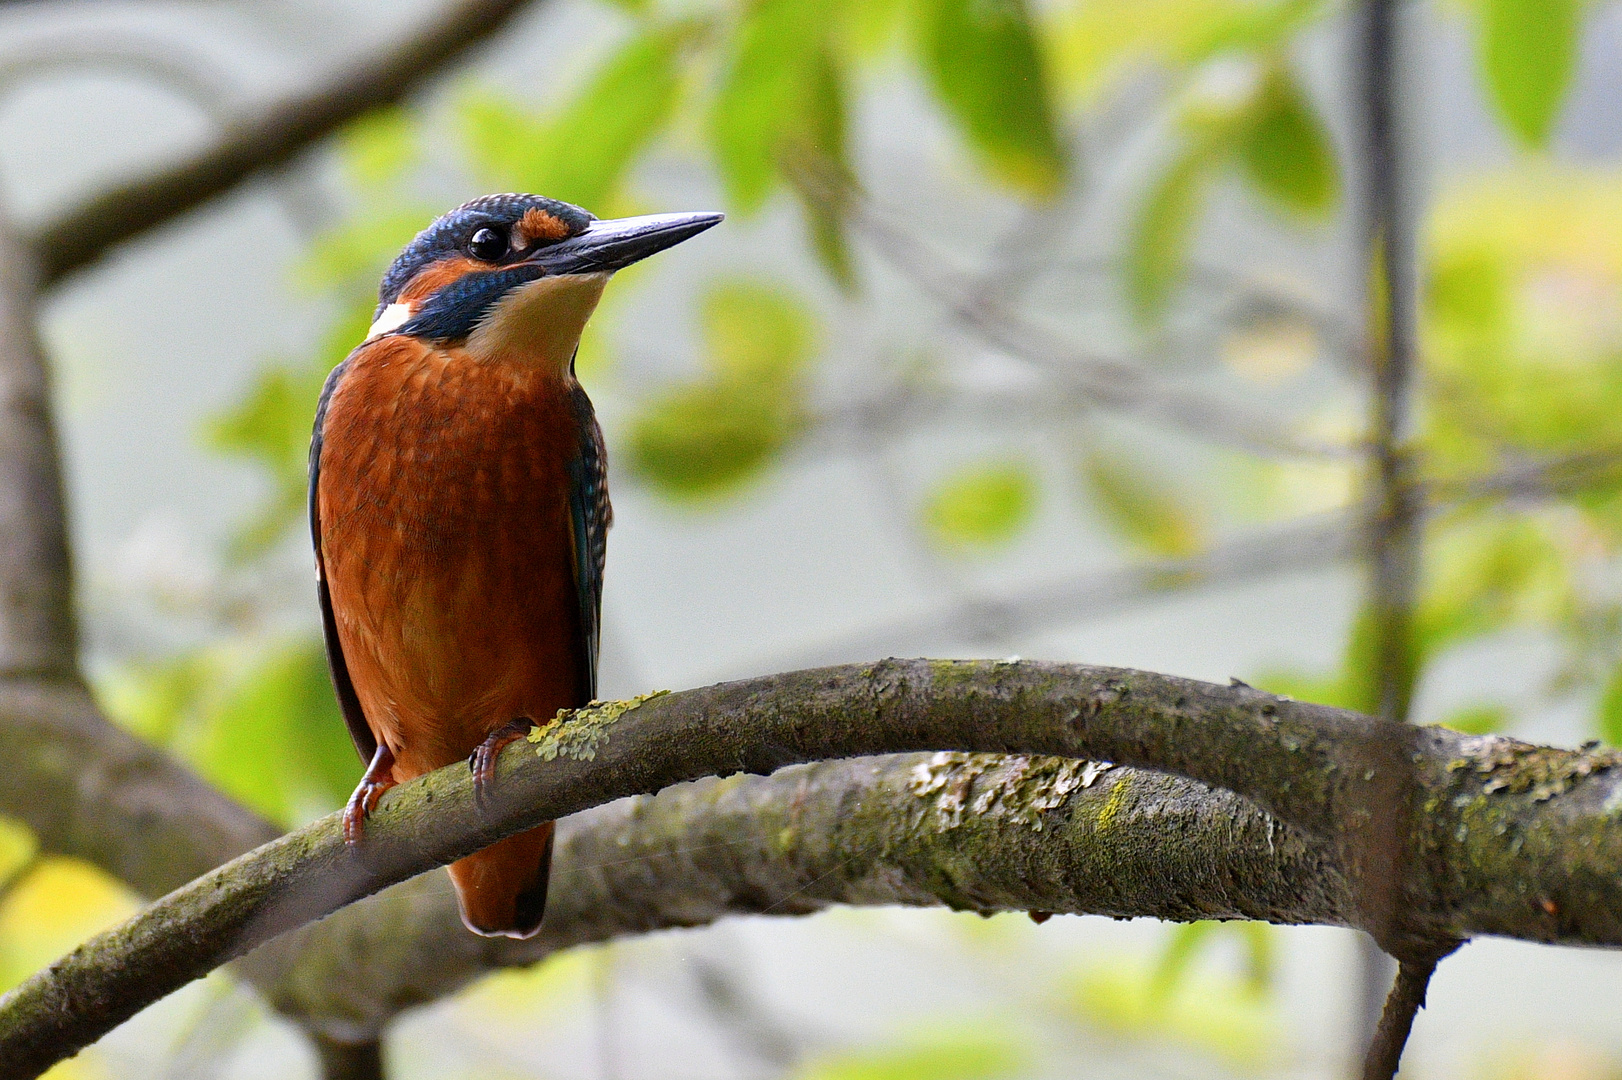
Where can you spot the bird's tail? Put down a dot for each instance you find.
(502, 889)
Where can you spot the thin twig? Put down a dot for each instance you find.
(1106, 382)
(349, 1061)
(1407, 997)
(1393, 525)
(269, 138)
(1311, 543)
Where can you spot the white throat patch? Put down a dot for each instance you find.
(393, 317)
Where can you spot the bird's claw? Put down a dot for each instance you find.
(379, 778)
(483, 759)
(361, 803)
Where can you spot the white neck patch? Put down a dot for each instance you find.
(393, 317)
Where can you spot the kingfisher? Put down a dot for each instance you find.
(459, 508)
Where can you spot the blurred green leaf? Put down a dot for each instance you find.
(1528, 56)
(982, 61)
(1302, 686)
(1206, 1011)
(945, 1055)
(1486, 576)
(1610, 709)
(501, 137)
(1481, 719)
(257, 719)
(1140, 507)
(1468, 291)
(276, 739)
(18, 848)
(1350, 686)
(1261, 955)
(1247, 27)
(1187, 939)
(825, 204)
(1284, 151)
(871, 27)
(270, 427)
(755, 332)
(582, 154)
(1161, 232)
(982, 506)
(1183, 942)
(557, 988)
(766, 92)
(152, 699)
(711, 435)
(379, 147)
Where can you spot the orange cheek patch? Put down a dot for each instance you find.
(537, 224)
(430, 279)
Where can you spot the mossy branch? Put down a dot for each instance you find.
(1483, 823)
(970, 832)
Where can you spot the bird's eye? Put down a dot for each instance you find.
(488, 244)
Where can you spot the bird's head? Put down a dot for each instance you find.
(516, 276)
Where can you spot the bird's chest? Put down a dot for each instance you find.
(446, 528)
(442, 456)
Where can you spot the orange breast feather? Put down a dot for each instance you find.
(448, 549)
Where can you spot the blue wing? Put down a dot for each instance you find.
(354, 718)
(591, 515)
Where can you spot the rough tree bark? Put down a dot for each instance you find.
(1497, 837)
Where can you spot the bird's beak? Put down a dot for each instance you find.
(606, 246)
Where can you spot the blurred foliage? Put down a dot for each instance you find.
(1269, 132)
(982, 506)
(608, 122)
(935, 1054)
(1187, 939)
(710, 435)
(557, 987)
(1528, 56)
(1141, 506)
(1227, 1016)
(53, 906)
(982, 61)
(257, 718)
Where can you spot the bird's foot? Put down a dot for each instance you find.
(483, 760)
(378, 779)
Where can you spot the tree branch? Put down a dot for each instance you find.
(38, 633)
(1393, 526)
(1495, 821)
(90, 789)
(972, 832)
(267, 140)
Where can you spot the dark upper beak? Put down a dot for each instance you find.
(606, 246)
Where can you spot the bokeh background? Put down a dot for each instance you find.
(1036, 328)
